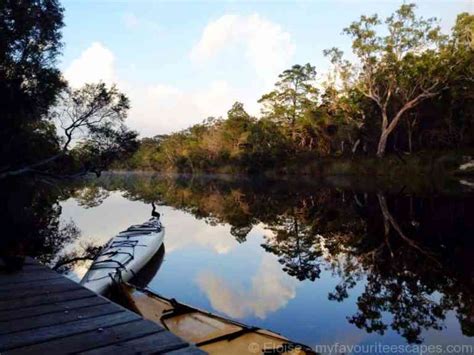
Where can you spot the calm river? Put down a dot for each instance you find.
(321, 263)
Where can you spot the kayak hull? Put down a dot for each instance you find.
(124, 256)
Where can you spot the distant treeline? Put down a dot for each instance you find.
(409, 90)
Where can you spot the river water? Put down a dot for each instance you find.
(338, 261)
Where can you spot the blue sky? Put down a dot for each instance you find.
(183, 61)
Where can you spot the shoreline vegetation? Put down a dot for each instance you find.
(402, 106)
(439, 164)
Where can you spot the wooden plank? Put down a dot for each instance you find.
(33, 336)
(26, 312)
(29, 260)
(33, 263)
(44, 320)
(45, 299)
(27, 269)
(20, 277)
(91, 340)
(38, 284)
(32, 267)
(47, 288)
(42, 311)
(154, 343)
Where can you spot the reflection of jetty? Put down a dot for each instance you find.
(43, 311)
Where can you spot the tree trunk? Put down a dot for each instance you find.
(410, 135)
(384, 136)
(354, 148)
(382, 143)
(387, 127)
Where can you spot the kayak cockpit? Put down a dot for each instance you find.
(210, 332)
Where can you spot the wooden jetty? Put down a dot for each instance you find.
(42, 311)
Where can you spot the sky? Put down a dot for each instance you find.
(180, 62)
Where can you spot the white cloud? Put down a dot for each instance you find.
(96, 63)
(271, 289)
(215, 36)
(160, 108)
(156, 108)
(214, 238)
(267, 47)
(217, 98)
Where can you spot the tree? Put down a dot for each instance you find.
(93, 135)
(236, 128)
(459, 100)
(30, 41)
(463, 32)
(346, 106)
(295, 94)
(93, 117)
(35, 98)
(399, 70)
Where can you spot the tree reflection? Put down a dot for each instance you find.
(410, 253)
(412, 270)
(296, 247)
(91, 196)
(31, 218)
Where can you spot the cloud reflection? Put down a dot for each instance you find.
(117, 213)
(184, 231)
(271, 290)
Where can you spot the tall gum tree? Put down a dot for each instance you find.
(294, 94)
(397, 70)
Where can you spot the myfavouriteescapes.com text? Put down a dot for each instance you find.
(379, 348)
(374, 348)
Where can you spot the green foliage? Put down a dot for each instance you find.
(239, 140)
(412, 63)
(30, 41)
(409, 90)
(46, 127)
(294, 95)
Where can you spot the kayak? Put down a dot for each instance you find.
(124, 255)
(209, 332)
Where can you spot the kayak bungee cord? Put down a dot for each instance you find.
(125, 254)
(149, 227)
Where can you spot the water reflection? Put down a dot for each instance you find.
(270, 290)
(412, 252)
(150, 270)
(396, 261)
(30, 218)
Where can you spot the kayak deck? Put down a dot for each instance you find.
(124, 255)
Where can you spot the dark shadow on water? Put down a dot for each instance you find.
(150, 270)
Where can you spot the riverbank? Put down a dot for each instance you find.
(426, 164)
(401, 167)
